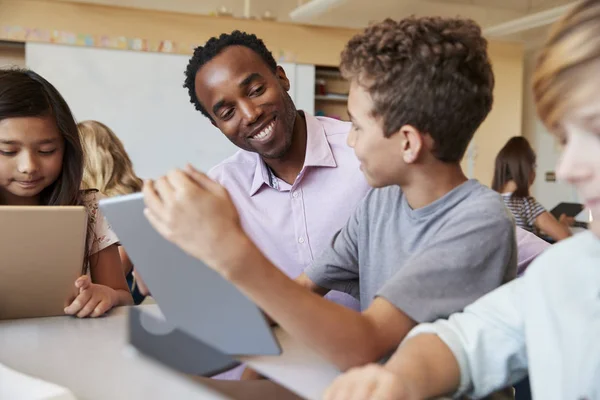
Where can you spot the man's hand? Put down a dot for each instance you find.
(372, 382)
(92, 300)
(197, 214)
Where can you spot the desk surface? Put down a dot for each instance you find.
(92, 358)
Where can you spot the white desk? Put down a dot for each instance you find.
(92, 358)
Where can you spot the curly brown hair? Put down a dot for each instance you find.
(431, 73)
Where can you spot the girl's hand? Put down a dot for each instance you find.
(567, 221)
(92, 300)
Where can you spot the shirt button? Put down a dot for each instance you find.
(295, 195)
(301, 240)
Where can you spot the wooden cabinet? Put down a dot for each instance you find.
(331, 93)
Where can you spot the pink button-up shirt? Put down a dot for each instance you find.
(292, 224)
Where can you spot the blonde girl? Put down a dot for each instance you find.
(109, 169)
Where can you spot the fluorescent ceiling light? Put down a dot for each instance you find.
(531, 21)
(312, 9)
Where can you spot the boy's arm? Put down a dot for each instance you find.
(341, 335)
(475, 353)
(424, 367)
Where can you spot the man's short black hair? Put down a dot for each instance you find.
(203, 54)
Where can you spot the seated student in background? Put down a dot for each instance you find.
(424, 244)
(294, 180)
(514, 174)
(41, 163)
(547, 322)
(108, 169)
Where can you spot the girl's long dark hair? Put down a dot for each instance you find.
(23, 93)
(515, 162)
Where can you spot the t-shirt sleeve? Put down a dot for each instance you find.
(471, 255)
(337, 266)
(534, 210)
(487, 340)
(103, 235)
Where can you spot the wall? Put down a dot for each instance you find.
(548, 194)
(288, 42)
(504, 121)
(12, 54)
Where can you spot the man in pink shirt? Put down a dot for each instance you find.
(295, 181)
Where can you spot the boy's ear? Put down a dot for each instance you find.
(282, 77)
(412, 143)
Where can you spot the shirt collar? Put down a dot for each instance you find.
(318, 154)
(318, 150)
(261, 175)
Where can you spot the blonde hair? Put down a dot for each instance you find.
(568, 64)
(107, 165)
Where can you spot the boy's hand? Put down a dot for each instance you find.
(92, 300)
(195, 213)
(372, 382)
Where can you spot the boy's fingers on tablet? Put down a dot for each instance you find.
(202, 178)
(89, 307)
(151, 197)
(164, 188)
(178, 178)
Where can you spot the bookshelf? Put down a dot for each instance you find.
(331, 93)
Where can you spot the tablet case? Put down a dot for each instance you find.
(159, 340)
(192, 297)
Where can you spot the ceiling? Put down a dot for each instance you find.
(354, 13)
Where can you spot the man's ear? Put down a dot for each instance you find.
(282, 77)
(412, 143)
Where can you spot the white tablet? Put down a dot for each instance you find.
(192, 297)
(42, 251)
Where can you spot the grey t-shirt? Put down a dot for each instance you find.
(429, 262)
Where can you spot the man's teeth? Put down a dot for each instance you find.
(265, 132)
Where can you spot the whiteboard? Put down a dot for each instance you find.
(140, 96)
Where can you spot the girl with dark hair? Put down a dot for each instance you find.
(514, 174)
(41, 163)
